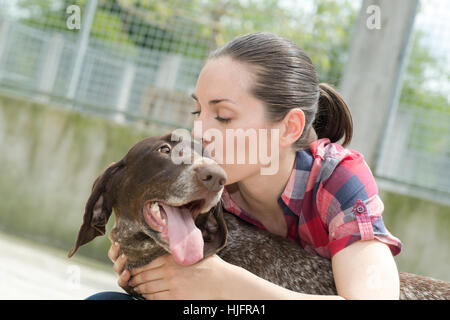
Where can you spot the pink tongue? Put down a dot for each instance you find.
(186, 241)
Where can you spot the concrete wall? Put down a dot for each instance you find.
(50, 157)
(49, 160)
(424, 229)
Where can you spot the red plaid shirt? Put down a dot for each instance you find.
(330, 201)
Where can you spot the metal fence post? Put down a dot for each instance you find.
(82, 46)
(127, 84)
(50, 66)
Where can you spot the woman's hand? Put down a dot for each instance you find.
(119, 267)
(163, 278)
(210, 278)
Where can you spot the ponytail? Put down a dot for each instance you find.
(333, 119)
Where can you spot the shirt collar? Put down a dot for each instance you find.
(293, 192)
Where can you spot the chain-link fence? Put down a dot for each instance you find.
(415, 155)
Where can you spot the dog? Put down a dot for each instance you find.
(161, 207)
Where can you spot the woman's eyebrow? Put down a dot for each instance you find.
(211, 102)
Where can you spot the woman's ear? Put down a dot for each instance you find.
(292, 127)
(98, 207)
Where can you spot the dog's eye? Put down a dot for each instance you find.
(164, 149)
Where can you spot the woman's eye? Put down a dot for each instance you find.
(222, 119)
(164, 149)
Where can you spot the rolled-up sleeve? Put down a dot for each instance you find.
(350, 207)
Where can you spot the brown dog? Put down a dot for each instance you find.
(162, 207)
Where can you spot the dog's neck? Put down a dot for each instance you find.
(139, 248)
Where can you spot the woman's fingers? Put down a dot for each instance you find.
(119, 261)
(113, 252)
(119, 265)
(158, 262)
(123, 280)
(146, 276)
(152, 287)
(163, 295)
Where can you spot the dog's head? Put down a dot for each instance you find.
(177, 205)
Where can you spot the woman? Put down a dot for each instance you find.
(323, 196)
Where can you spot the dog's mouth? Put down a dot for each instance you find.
(175, 225)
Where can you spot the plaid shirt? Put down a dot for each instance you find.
(330, 201)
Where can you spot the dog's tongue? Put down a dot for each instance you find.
(186, 241)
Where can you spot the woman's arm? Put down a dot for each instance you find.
(244, 285)
(363, 270)
(366, 270)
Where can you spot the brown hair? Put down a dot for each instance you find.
(285, 78)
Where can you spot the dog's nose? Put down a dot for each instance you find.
(212, 176)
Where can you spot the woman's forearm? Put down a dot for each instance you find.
(241, 284)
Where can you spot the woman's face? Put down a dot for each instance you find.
(223, 101)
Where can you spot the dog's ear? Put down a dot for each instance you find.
(214, 230)
(98, 207)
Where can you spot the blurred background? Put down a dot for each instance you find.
(76, 94)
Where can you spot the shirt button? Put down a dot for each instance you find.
(360, 209)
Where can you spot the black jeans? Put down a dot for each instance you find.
(111, 295)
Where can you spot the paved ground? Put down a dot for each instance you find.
(31, 271)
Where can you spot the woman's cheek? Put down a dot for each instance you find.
(234, 173)
(243, 158)
(238, 172)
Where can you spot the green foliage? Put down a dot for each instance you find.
(422, 69)
(108, 26)
(330, 38)
(430, 105)
(324, 33)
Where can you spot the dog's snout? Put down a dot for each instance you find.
(213, 177)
